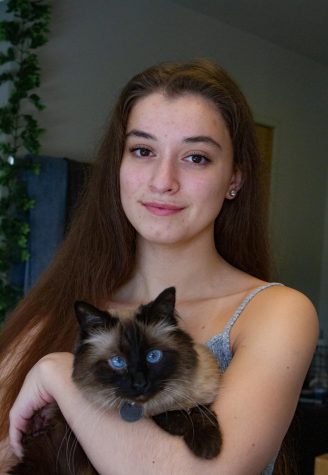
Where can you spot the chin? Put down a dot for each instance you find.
(162, 238)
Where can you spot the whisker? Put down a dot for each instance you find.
(204, 411)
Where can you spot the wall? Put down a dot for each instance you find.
(323, 305)
(94, 49)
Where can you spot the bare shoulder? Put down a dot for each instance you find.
(295, 310)
(278, 310)
(281, 295)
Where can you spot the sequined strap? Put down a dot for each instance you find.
(245, 302)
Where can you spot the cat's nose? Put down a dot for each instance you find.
(139, 381)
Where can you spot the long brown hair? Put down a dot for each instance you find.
(98, 253)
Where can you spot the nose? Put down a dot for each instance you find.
(139, 382)
(164, 178)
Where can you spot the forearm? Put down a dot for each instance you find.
(116, 447)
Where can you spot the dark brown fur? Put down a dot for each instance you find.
(176, 391)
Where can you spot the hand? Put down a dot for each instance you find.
(37, 391)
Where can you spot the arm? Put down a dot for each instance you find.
(257, 401)
(8, 364)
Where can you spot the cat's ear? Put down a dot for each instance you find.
(90, 317)
(165, 300)
(164, 306)
(160, 309)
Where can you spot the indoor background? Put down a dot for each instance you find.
(275, 50)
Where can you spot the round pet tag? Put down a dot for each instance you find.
(131, 412)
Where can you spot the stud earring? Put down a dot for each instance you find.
(232, 193)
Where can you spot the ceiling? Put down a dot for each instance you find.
(298, 25)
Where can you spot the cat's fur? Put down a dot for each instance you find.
(175, 391)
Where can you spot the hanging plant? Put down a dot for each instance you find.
(21, 34)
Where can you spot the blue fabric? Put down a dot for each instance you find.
(46, 218)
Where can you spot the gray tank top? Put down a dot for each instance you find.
(221, 346)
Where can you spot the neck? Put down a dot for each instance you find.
(193, 268)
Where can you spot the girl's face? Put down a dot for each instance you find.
(177, 168)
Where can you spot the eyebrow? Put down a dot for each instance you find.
(140, 133)
(204, 139)
(194, 139)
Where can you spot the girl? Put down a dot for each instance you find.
(174, 199)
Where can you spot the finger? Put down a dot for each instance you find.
(18, 418)
(15, 440)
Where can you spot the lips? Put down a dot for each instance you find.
(162, 209)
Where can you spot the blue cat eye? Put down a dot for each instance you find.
(154, 356)
(117, 362)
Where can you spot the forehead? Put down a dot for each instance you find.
(187, 113)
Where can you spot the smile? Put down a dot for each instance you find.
(162, 209)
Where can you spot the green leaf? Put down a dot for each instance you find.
(7, 76)
(10, 31)
(7, 120)
(9, 296)
(5, 148)
(36, 101)
(27, 30)
(7, 57)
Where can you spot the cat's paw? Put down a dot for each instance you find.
(205, 445)
(174, 422)
(204, 437)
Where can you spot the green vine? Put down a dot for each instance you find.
(21, 34)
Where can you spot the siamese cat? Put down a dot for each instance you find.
(142, 364)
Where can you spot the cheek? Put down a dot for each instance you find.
(208, 200)
(131, 186)
(128, 184)
(208, 193)
(131, 178)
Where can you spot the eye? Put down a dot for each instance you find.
(141, 152)
(117, 362)
(197, 159)
(154, 356)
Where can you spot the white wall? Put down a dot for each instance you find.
(96, 46)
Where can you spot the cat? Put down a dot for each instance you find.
(142, 364)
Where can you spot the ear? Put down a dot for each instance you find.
(90, 317)
(160, 309)
(165, 300)
(236, 182)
